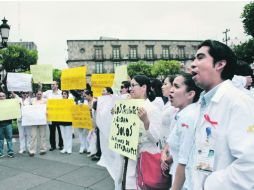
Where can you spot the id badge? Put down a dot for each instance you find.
(206, 153)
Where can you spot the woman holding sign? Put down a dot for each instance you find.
(149, 129)
(38, 132)
(66, 131)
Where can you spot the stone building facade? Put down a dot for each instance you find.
(103, 55)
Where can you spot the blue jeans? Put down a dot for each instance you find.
(6, 132)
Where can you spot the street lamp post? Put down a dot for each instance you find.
(4, 32)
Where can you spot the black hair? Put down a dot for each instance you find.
(88, 92)
(170, 79)
(190, 85)
(88, 86)
(156, 85)
(109, 90)
(220, 51)
(143, 80)
(243, 68)
(66, 91)
(126, 84)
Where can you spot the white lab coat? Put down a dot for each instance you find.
(147, 141)
(234, 145)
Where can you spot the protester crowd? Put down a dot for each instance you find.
(199, 126)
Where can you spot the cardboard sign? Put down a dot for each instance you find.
(73, 78)
(34, 115)
(60, 109)
(42, 73)
(10, 109)
(19, 82)
(124, 134)
(81, 117)
(100, 81)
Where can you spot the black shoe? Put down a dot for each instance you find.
(60, 148)
(42, 153)
(95, 158)
(31, 154)
(51, 149)
(11, 155)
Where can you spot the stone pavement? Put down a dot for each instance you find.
(53, 171)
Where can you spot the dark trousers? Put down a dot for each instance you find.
(52, 135)
(98, 142)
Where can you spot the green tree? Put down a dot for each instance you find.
(248, 18)
(163, 68)
(245, 51)
(17, 58)
(57, 74)
(139, 68)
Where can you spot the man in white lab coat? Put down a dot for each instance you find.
(223, 151)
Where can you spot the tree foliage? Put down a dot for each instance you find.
(57, 74)
(17, 58)
(245, 51)
(139, 68)
(163, 68)
(248, 18)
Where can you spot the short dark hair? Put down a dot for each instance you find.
(190, 84)
(126, 84)
(109, 90)
(170, 78)
(88, 92)
(143, 80)
(66, 91)
(220, 51)
(156, 85)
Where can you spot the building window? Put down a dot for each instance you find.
(98, 53)
(82, 50)
(181, 50)
(116, 53)
(133, 52)
(116, 64)
(149, 52)
(165, 52)
(99, 67)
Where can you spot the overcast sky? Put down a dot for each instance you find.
(50, 24)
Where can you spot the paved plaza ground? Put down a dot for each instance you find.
(53, 171)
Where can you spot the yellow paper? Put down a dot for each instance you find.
(124, 132)
(250, 129)
(73, 78)
(120, 75)
(60, 110)
(100, 81)
(81, 117)
(10, 109)
(42, 73)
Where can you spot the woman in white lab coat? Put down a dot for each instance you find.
(179, 143)
(150, 125)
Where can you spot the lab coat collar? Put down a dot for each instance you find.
(224, 87)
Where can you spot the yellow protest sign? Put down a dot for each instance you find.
(60, 110)
(73, 78)
(124, 133)
(10, 109)
(42, 73)
(120, 75)
(100, 81)
(81, 117)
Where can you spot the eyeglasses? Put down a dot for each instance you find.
(133, 85)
